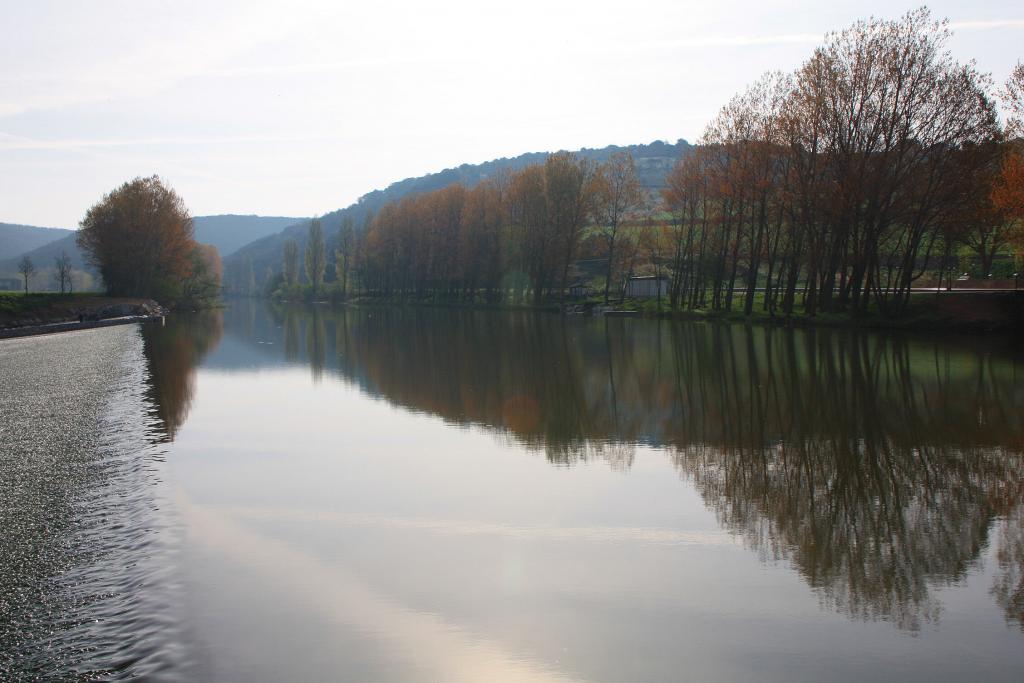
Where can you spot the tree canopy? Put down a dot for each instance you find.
(141, 239)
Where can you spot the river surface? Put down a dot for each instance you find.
(288, 493)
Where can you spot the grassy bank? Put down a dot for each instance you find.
(43, 308)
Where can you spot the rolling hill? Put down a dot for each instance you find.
(653, 162)
(229, 232)
(16, 240)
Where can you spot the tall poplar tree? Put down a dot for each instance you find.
(316, 255)
(290, 262)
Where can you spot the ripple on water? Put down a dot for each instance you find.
(88, 587)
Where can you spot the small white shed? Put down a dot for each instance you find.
(647, 286)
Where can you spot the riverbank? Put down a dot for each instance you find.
(974, 311)
(1001, 311)
(43, 313)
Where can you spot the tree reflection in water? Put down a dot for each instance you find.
(173, 351)
(875, 472)
(1009, 583)
(877, 465)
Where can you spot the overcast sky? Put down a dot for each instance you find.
(296, 108)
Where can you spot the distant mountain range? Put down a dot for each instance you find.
(231, 232)
(44, 245)
(653, 163)
(15, 240)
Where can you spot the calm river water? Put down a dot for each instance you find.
(275, 493)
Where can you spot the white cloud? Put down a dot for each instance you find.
(15, 142)
(986, 25)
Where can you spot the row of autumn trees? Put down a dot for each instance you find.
(516, 235)
(842, 183)
(835, 187)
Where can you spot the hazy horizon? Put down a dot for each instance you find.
(274, 110)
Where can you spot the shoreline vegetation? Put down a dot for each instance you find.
(971, 311)
(24, 315)
(998, 311)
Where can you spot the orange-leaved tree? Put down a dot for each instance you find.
(1008, 195)
(140, 238)
(1008, 189)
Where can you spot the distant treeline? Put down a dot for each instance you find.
(833, 188)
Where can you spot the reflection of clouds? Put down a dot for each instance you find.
(426, 643)
(589, 534)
